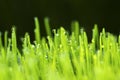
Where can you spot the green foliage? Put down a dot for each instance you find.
(61, 56)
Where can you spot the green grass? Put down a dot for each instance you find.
(62, 56)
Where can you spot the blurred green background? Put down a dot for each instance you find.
(105, 13)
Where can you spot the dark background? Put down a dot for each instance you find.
(105, 13)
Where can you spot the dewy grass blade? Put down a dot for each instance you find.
(75, 28)
(56, 38)
(37, 30)
(13, 56)
(14, 41)
(95, 37)
(87, 56)
(64, 41)
(47, 26)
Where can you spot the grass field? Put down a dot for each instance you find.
(61, 55)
